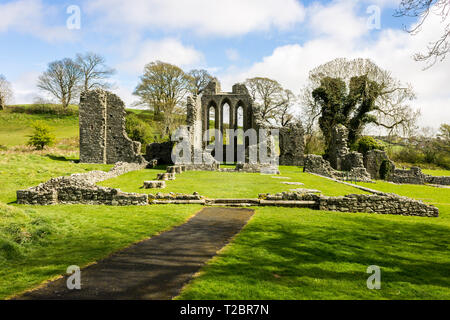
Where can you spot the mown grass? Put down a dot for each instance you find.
(288, 253)
(38, 243)
(16, 127)
(436, 172)
(229, 184)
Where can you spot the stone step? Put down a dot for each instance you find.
(178, 201)
(288, 203)
(231, 204)
(232, 200)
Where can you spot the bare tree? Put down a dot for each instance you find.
(200, 79)
(94, 71)
(285, 115)
(422, 9)
(163, 88)
(391, 110)
(61, 80)
(6, 93)
(272, 101)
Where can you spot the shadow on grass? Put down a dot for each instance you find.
(411, 256)
(62, 158)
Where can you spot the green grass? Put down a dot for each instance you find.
(229, 184)
(288, 253)
(38, 243)
(436, 172)
(16, 127)
(15, 122)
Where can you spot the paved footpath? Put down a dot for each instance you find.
(156, 268)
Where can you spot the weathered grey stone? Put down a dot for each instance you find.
(383, 204)
(174, 169)
(81, 188)
(372, 162)
(292, 145)
(162, 152)
(160, 184)
(338, 149)
(102, 130)
(166, 176)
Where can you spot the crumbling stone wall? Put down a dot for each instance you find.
(443, 180)
(81, 189)
(102, 130)
(380, 203)
(372, 162)
(292, 145)
(337, 150)
(316, 164)
(162, 152)
(415, 176)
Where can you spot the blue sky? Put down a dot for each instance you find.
(233, 39)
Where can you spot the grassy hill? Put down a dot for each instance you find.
(16, 120)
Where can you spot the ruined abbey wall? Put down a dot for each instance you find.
(102, 130)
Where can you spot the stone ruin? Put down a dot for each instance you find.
(342, 164)
(102, 130)
(415, 176)
(241, 108)
(82, 188)
(292, 145)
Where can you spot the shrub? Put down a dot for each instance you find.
(409, 155)
(42, 135)
(385, 169)
(138, 130)
(367, 143)
(44, 108)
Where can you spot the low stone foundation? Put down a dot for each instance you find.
(383, 204)
(81, 188)
(154, 184)
(165, 176)
(416, 176)
(316, 164)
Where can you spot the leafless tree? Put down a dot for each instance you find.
(392, 110)
(61, 80)
(422, 9)
(94, 71)
(200, 79)
(274, 103)
(6, 93)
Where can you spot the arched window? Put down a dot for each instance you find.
(225, 122)
(240, 124)
(211, 123)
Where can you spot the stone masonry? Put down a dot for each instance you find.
(102, 130)
(292, 145)
(380, 203)
(81, 189)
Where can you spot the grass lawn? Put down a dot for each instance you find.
(288, 253)
(283, 253)
(436, 172)
(229, 184)
(15, 127)
(39, 243)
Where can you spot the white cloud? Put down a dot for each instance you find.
(392, 50)
(205, 17)
(31, 17)
(24, 87)
(232, 54)
(337, 20)
(167, 50)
